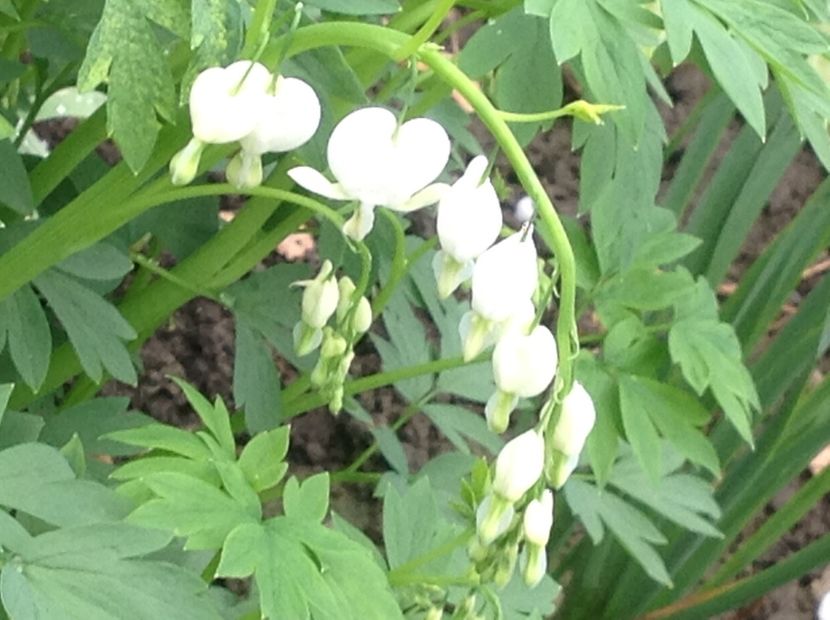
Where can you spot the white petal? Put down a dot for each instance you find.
(290, 117)
(421, 152)
(359, 153)
(360, 223)
(226, 104)
(315, 182)
(505, 277)
(427, 196)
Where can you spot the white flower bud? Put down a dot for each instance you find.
(346, 289)
(185, 164)
(290, 116)
(362, 319)
(505, 277)
(469, 215)
(535, 565)
(524, 209)
(320, 297)
(506, 565)
(244, 170)
(226, 104)
(493, 518)
(525, 364)
(575, 421)
(519, 465)
(538, 519)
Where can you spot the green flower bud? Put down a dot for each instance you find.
(185, 164)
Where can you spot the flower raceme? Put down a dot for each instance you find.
(523, 367)
(469, 220)
(245, 102)
(379, 162)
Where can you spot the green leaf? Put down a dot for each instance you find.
(602, 443)
(192, 508)
(407, 345)
(37, 479)
(677, 17)
(94, 572)
(15, 189)
(640, 429)
(358, 7)
(215, 417)
(162, 437)
(91, 420)
(262, 458)
(412, 525)
(303, 568)
(26, 330)
(675, 413)
(391, 449)
(309, 500)
(645, 289)
(95, 328)
(102, 261)
(460, 426)
(710, 356)
(216, 35)
(256, 382)
(635, 532)
(731, 67)
(17, 428)
(125, 52)
(5, 394)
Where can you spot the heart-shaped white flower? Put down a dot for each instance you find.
(524, 364)
(379, 163)
(505, 277)
(290, 116)
(226, 103)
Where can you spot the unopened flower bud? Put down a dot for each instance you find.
(519, 465)
(434, 613)
(244, 170)
(185, 164)
(477, 333)
(333, 346)
(538, 519)
(306, 338)
(226, 104)
(505, 565)
(346, 289)
(505, 277)
(362, 319)
(449, 273)
(535, 565)
(493, 518)
(320, 297)
(498, 409)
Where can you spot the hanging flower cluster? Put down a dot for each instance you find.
(324, 297)
(246, 103)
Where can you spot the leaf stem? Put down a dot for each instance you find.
(400, 575)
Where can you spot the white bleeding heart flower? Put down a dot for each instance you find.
(576, 420)
(505, 277)
(538, 519)
(378, 163)
(227, 103)
(289, 119)
(519, 465)
(469, 221)
(523, 366)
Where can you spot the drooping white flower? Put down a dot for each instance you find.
(289, 119)
(576, 420)
(519, 465)
(523, 366)
(538, 519)
(493, 518)
(469, 221)
(378, 163)
(227, 103)
(505, 277)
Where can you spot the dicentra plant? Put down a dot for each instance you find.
(606, 472)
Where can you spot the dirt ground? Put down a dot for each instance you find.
(198, 345)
